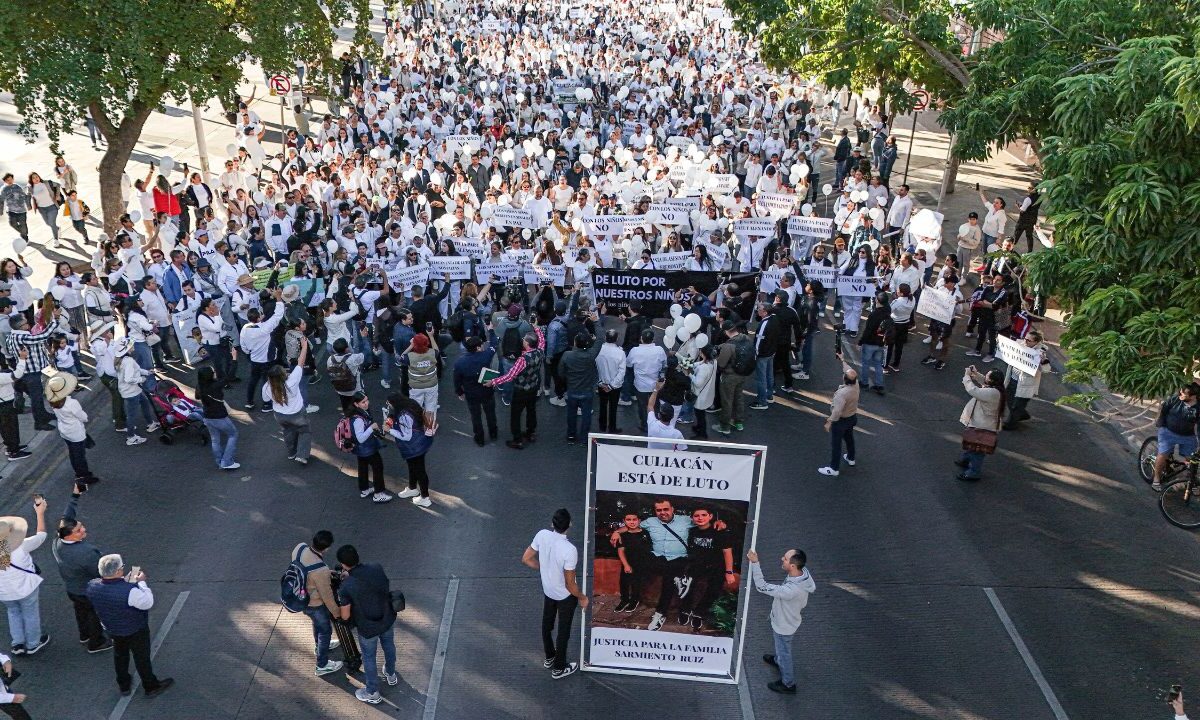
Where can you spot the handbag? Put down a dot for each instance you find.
(396, 599)
(979, 440)
(153, 339)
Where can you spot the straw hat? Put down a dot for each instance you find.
(60, 386)
(244, 279)
(99, 327)
(12, 534)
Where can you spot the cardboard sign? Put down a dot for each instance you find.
(672, 260)
(690, 203)
(455, 143)
(556, 274)
(1017, 354)
(407, 277)
(850, 286)
(936, 304)
(827, 276)
(777, 203)
(667, 214)
(599, 225)
(754, 227)
(814, 227)
(513, 217)
(459, 267)
(503, 270)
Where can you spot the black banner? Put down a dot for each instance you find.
(655, 289)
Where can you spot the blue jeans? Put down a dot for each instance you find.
(25, 619)
(223, 436)
(134, 406)
(783, 658)
(974, 462)
(872, 363)
(764, 374)
(506, 390)
(584, 404)
(370, 647)
(627, 390)
(322, 631)
(807, 351)
(389, 362)
(145, 358)
(687, 413)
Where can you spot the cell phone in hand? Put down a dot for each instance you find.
(429, 327)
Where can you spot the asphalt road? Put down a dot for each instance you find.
(1099, 589)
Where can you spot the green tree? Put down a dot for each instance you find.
(118, 61)
(1122, 172)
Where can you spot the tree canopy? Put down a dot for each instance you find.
(119, 60)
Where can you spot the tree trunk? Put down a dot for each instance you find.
(121, 141)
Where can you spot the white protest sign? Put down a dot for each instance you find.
(564, 89)
(502, 270)
(522, 256)
(680, 141)
(455, 143)
(850, 286)
(719, 254)
(604, 248)
(632, 221)
(575, 13)
(536, 274)
(754, 227)
(1017, 354)
(459, 267)
(600, 225)
(811, 226)
(491, 26)
(827, 276)
(936, 304)
(777, 203)
(513, 217)
(771, 278)
(408, 276)
(473, 248)
(671, 260)
(667, 214)
(690, 203)
(723, 183)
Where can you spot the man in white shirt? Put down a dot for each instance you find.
(648, 362)
(278, 229)
(898, 216)
(660, 423)
(123, 603)
(610, 369)
(255, 341)
(553, 555)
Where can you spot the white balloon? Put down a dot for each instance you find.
(526, 233)
(669, 342)
(231, 149)
(606, 153)
(19, 245)
(826, 189)
(801, 170)
(257, 152)
(876, 216)
(678, 323)
(700, 341)
(691, 323)
(669, 335)
(166, 165)
(331, 246)
(587, 160)
(258, 196)
(508, 155)
(683, 335)
(676, 310)
(882, 201)
(135, 216)
(551, 154)
(806, 209)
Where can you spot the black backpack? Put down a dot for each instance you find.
(743, 356)
(455, 326)
(510, 344)
(341, 377)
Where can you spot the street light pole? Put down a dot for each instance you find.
(201, 142)
(911, 137)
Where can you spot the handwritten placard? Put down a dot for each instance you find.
(407, 277)
(458, 267)
(936, 304)
(1017, 354)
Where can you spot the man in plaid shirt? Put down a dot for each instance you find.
(31, 384)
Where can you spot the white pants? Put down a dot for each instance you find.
(852, 312)
(427, 398)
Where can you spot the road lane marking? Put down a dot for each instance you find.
(439, 655)
(159, 637)
(1030, 663)
(744, 695)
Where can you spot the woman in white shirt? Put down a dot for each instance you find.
(20, 581)
(902, 306)
(44, 197)
(993, 222)
(72, 423)
(16, 273)
(282, 391)
(66, 288)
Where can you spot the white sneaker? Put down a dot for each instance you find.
(560, 402)
(801, 375)
(334, 643)
(362, 493)
(393, 679)
(422, 501)
(368, 697)
(828, 471)
(135, 440)
(382, 497)
(330, 667)
(153, 427)
(310, 409)
(409, 492)
(656, 621)
(384, 383)
(624, 403)
(969, 334)
(849, 462)
(927, 340)
(231, 466)
(940, 345)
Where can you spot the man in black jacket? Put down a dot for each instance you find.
(635, 323)
(791, 334)
(578, 369)
(481, 399)
(424, 307)
(77, 564)
(873, 340)
(766, 344)
(365, 598)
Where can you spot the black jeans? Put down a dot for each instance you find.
(258, 373)
(667, 570)
(783, 364)
(714, 584)
(31, 385)
(608, 409)
(700, 427)
(417, 477)
(560, 384)
(87, 620)
(15, 711)
(631, 583)
(374, 463)
(118, 404)
(523, 401)
(77, 451)
(138, 645)
(10, 428)
(221, 360)
(17, 221)
(1027, 231)
(485, 406)
(562, 611)
(841, 430)
(987, 331)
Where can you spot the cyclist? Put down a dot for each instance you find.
(1177, 427)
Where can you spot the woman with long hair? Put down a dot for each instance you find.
(66, 287)
(412, 429)
(282, 391)
(222, 432)
(981, 416)
(17, 273)
(46, 197)
(367, 444)
(902, 318)
(138, 329)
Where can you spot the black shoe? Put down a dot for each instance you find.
(126, 692)
(878, 389)
(966, 478)
(41, 644)
(779, 687)
(770, 660)
(234, 379)
(515, 444)
(962, 464)
(568, 670)
(314, 379)
(19, 455)
(697, 621)
(85, 376)
(106, 645)
(162, 685)
(530, 437)
(479, 442)
(47, 426)
(940, 366)
(633, 605)
(616, 431)
(621, 606)
(572, 441)
(18, 649)
(929, 361)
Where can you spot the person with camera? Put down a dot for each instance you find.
(365, 597)
(20, 581)
(123, 601)
(981, 417)
(1175, 701)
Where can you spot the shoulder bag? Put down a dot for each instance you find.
(980, 440)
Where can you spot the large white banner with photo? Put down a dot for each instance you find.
(691, 511)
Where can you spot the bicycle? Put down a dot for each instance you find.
(1147, 456)
(1180, 499)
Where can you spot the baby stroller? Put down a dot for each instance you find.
(176, 412)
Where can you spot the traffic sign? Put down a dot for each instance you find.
(922, 98)
(280, 84)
